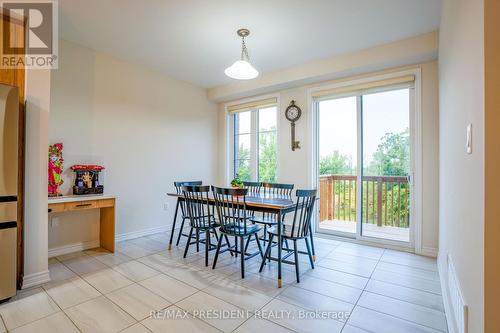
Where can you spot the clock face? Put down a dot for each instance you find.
(293, 113)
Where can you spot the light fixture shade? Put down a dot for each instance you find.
(241, 70)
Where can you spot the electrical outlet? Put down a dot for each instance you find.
(54, 222)
(165, 206)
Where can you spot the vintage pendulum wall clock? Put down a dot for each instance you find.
(293, 114)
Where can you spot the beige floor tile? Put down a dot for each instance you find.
(410, 295)
(356, 268)
(377, 322)
(407, 281)
(137, 328)
(2, 327)
(339, 277)
(254, 325)
(137, 301)
(258, 283)
(184, 325)
(71, 292)
(108, 258)
(237, 295)
(169, 288)
(359, 251)
(291, 316)
(68, 256)
(408, 270)
(84, 264)
(198, 278)
(107, 280)
(136, 271)
(28, 309)
(59, 272)
(201, 302)
(411, 312)
(353, 329)
(332, 289)
(99, 315)
(56, 323)
(159, 262)
(409, 259)
(313, 301)
(133, 251)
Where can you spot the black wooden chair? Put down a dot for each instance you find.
(200, 214)
(178, 188)
(272, 190)
(253, 187)
(235, 221)
(299, 229)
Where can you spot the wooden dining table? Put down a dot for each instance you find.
(275, 204)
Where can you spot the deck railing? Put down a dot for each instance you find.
(385, 199)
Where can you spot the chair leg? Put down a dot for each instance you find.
(197, 240)
(258, 244)
(265, 234)
(207, 244)
(312, 243)
(219, 242)
(286, 244)
(236, 246)
(268, 251)
(309, 253)
(228, 245)
(188, 242)
(296, 255)
(246, 245)
(180, 232)
(242, 257)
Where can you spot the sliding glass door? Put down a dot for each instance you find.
(364, 147)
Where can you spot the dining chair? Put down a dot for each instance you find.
(199, 212)
(253, 187)
(270, 219)
(178, 188)
(300, 228)
(235, 221)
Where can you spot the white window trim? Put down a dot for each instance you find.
(416, 124)
(229, 133)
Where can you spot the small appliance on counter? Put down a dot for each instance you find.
(87, 179)
(9, 115)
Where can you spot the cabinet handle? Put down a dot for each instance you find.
(84, 205)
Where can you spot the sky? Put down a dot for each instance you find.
(382, 113)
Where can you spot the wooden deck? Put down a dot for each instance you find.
(371, 230)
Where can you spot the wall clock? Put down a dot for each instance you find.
(293, 113)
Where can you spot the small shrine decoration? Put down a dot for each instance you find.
(55, 168)
(87, 179)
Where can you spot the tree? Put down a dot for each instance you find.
(267, 157)
(392, 157)
(335, 164)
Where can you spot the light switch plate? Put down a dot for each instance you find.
(469, 139)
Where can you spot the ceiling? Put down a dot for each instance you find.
(195, 40)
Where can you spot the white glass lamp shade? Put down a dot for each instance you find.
(241, 70)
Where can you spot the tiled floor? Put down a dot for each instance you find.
(94, 291)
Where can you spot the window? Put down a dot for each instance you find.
(254, 144)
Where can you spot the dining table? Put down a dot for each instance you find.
(255, 202)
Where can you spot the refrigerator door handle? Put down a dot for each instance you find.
(8, 198)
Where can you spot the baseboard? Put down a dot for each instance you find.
(35, 279)
(454, 304)
(141, 233)
(430, 252)
(71, 248)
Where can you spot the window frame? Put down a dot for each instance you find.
(230, 146)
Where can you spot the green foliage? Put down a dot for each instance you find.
(335, 164)
(392, 157)
(267, 157)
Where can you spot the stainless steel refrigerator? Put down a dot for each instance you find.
(9, 117)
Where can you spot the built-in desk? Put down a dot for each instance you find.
(106, 204)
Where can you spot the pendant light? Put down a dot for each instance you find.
(242, 69)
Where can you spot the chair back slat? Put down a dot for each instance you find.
(253, 187)
(198, 208)
(302, 216)
(178, 189)
(231, 209)
(275, 190)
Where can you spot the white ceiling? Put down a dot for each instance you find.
(195, 40)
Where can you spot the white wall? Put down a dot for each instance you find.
(35, 221)
(461, 86)
(296, 166)
(145, 128)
